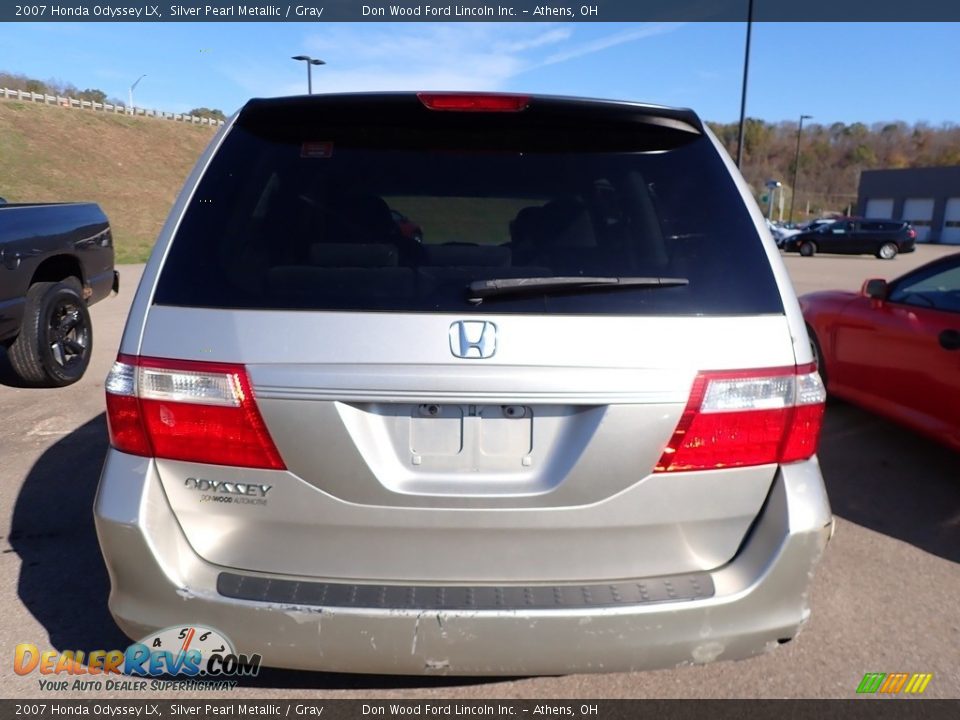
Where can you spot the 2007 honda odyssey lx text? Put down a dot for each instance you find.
(568, 427)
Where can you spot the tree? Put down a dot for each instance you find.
(35, 86)
(210, 114)
(97, 96)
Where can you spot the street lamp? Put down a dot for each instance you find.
(309, 61)
(132, 109)
(796, 164)
(773, 187)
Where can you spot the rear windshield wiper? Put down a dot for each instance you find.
(482, 289)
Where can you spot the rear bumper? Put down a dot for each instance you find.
(759, 598)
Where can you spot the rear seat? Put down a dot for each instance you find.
(345, 270)
(356, 255)
(466, 256)
(559, 235)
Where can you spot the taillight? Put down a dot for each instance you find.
(750, 417)
(912, 234)
(184, 410)
(474, 102)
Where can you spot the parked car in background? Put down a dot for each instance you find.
(56, 259)
(894, 347)
(574, 427)
(817, 223)
(778, 231)
(788, 230)
(863, 236)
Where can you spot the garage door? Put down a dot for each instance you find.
(951, 223)
(919, 213)
(880, 208)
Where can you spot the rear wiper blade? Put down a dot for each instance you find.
(482, 289)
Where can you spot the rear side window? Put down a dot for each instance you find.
(323, 214)
(880, 226)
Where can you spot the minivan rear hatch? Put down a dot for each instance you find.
(472, 335)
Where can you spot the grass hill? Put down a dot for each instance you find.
(132, 167)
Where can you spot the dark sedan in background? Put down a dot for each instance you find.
(861, 236)
(894, 347)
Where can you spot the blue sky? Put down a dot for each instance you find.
(846, 72)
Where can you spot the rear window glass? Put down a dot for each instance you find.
(392, 218)
(874, 226)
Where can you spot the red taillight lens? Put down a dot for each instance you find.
(742, 418)
(184, 410)
(912, 234)
(124, 425)
(802, 438)
(474, 102)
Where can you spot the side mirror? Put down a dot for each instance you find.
(874, 288)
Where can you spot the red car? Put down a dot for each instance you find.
(894, 347)
(408, 228)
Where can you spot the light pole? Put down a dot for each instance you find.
(310, 62)
(773, 187)
(132, 109)
(796, 165)
(743, 90)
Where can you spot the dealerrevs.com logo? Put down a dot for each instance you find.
(176, 658)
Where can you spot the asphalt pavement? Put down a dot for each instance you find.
(884, 599)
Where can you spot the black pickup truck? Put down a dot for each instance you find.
(55, 260)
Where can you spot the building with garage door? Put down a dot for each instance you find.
(929, 198)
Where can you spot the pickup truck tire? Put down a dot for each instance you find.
(56, 337)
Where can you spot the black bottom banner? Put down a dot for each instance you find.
(863, 709)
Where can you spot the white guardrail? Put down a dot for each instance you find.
(69, 102)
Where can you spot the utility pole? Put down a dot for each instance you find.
(743, 90)
(796, 165)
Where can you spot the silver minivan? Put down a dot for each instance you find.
(479, 384)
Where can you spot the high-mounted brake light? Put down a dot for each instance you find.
(474, 102)
(750, 417)
(184, 410)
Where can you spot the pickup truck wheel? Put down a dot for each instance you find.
(56, 338)
(807, 248)
(887, 251)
